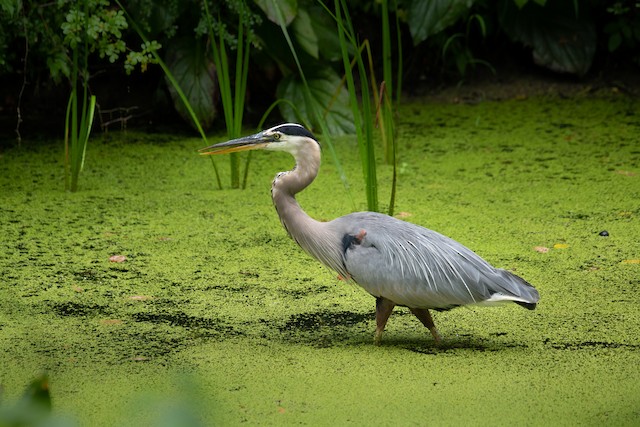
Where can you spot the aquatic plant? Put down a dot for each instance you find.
(458, 46)
(386, 101)
(232, 91)
(365, 117)
(81, 105)
(390, 94)
(362, 113)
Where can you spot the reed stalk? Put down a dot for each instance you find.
(232, 91)
(80, 110)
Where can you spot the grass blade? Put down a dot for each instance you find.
(233, 100)
(363, 118)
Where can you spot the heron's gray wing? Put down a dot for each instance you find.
(418, 267)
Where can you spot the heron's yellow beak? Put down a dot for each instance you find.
(252, 142)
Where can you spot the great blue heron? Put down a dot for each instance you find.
(397, 262)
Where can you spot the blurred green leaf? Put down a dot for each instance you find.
(195, 73)
(33, 408)
(561, 40)
(159, 19)
(37, 394)
(426, 18)
(304, 33)
(324, 26)
(273, 9)
(327, 96)
(11, 7)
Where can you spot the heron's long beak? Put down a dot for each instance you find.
(252, 142)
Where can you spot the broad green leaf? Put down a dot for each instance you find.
(324, 26)
(11, 7)
(273, 9)
(426, 18)
(328, 96)
(33, 409)
(305, 34)
(195, 73)
(561, 41)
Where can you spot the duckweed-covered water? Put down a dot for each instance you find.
(216, 316)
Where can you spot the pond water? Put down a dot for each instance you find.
(212, 314)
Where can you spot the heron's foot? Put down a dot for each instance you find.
(377, 338)
(436, 337)
(425, 317)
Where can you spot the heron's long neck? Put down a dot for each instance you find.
(287, 184)
(315, 237)
(306, 231)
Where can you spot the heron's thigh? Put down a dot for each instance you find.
(424, 316)
(384, 307)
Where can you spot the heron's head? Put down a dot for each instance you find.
(289, 137)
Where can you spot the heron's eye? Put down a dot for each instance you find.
(276, 136)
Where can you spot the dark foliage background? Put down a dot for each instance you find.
(443, 44)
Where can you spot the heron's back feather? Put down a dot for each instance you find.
(420, 268)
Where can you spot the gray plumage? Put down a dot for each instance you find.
(397, 262)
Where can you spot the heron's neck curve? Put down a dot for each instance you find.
(287, 184)
(316, 237)
(305, 230)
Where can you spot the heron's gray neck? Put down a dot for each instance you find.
(287, 184)
(315, 237)
(306, 231)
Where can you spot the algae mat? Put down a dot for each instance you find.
(215, 316)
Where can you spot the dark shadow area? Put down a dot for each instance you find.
(589, 345)
(202, 327)
(462, 342)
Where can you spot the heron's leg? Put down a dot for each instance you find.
(384, 307)
(425, 317)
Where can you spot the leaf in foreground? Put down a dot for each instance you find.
(327, 96)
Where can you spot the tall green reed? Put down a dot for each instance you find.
(383, 98)
(364, 115)
(386, 100)
(232, 91)
(80, 108)
(362, 112)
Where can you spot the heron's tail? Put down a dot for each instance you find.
(507, 286)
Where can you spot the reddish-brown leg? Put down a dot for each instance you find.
(384, 307)
(425, 317)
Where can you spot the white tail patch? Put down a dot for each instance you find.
(498, 299)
